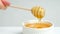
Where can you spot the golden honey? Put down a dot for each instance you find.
(38, 12)
(38, 25)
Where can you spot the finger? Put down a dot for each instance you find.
(1, 5)
(6, 3)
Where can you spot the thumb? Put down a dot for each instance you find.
(1, 5)
(5, 3)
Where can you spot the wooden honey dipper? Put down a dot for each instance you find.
(37, 11)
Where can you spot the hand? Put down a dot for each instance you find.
(4, 4)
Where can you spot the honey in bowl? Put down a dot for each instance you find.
(38, 25)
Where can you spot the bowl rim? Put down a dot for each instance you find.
(31, 21)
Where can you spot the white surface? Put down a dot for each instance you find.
(10, 30)
(18, 30)
(15, 17)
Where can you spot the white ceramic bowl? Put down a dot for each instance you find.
(34, 30)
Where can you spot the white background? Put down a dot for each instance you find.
(15, 17)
